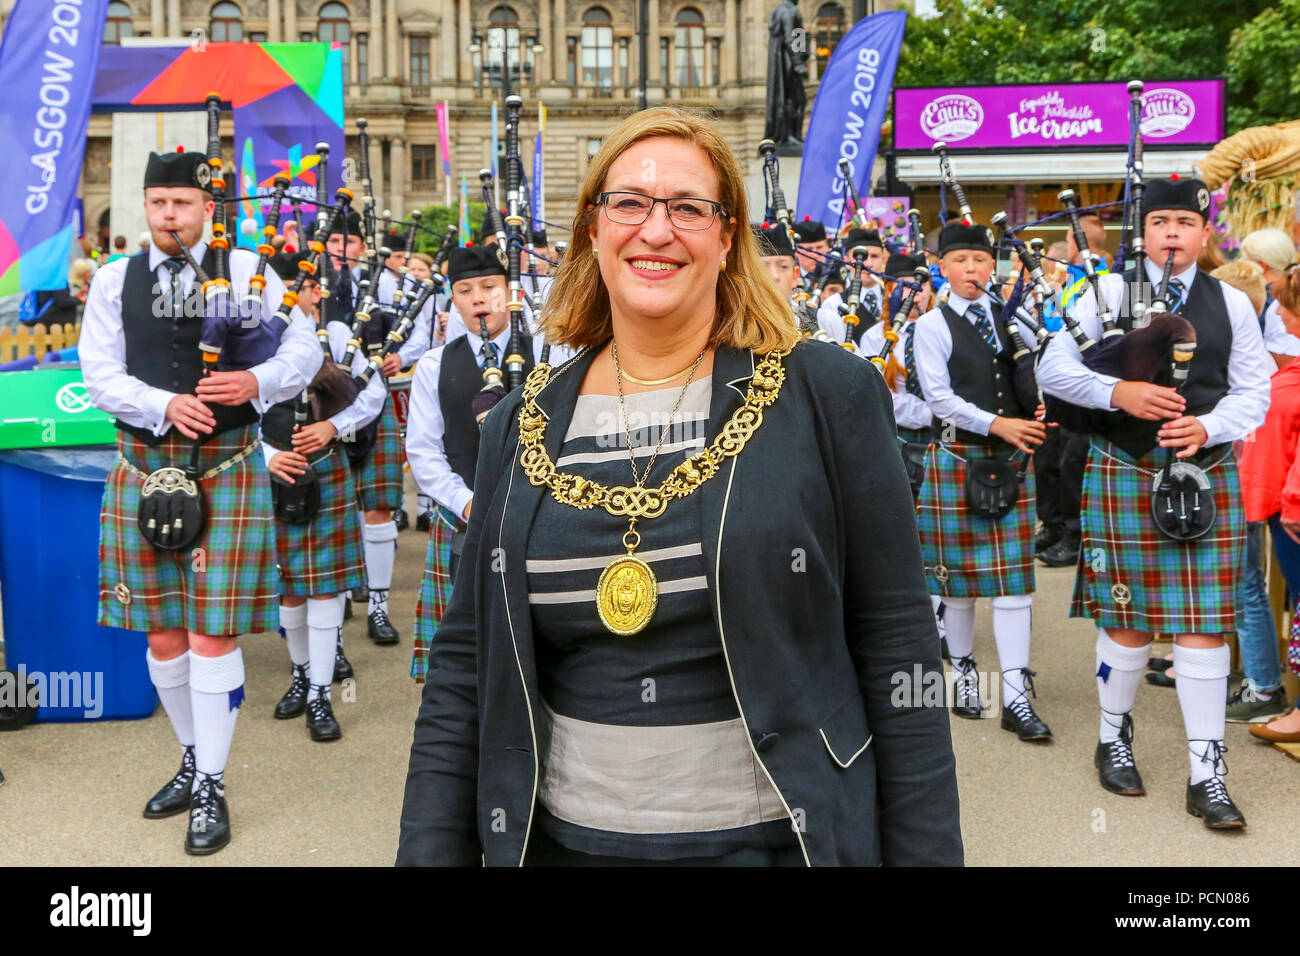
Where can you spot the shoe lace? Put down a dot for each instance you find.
(1215, 791)
(319, 706)
(206, 792)
(1119, 752)
(300, 683)
(1019, 705)
(965, 676)
(1213, 755)
(379, 615)
(185, 776)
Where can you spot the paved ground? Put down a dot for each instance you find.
(74, 791)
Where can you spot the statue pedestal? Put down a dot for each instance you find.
(790, 163)
(789, 151)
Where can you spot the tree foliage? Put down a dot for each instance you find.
(1251, 42)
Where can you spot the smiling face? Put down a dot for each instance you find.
(179, 209)
(1178, 229)
(482, 297)
(656, 271)
(966, 270)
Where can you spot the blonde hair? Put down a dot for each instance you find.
(1272, 247)
(751, 313)
(423, 257)
(80, 271)
(1246, 276)
(1286, 289)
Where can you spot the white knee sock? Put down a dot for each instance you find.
(1202, 686)
(294, 622)
(1012, 617)
(323, 620)
(1119, 674)
(171, 678)
(959, 622)
(216, 691)
(379, 540)
(936, 603)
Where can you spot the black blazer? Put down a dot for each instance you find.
(819, 599)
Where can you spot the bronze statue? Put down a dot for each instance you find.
(787, 69)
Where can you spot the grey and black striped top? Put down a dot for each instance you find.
(649, 757)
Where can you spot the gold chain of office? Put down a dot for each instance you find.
(639, 502)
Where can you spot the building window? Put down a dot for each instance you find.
(715, 62)
(424, 160)
(257, 37)
(827, 30)
(118, 25)
(502, 43)
(363, 57)
(573, 61)
(419, 61)
(689, 38)
(334, 27)
(663, 59)
(624, 71)
(306, 38)
(227, 23)
(597, 48)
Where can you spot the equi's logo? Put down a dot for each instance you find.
(1165, 112)
(77, 909)
(951, 117)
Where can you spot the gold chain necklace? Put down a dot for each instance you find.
(657, 381)
(663, 433)
(628, 592)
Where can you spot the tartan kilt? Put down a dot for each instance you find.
(379, 477)
(324, 556)
(225, 584)
(435, 589)
(1132, 576)
(965, 554)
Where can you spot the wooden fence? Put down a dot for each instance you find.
(23, 340)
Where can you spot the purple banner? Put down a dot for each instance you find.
(1174, 112)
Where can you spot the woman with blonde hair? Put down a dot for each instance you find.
(691, 577)
(1272, 251)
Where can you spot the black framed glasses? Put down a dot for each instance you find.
(684, 212)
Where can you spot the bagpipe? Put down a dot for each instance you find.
(853, 297)
(920, 276)
(806, 297)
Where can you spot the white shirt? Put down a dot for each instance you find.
(102, 346)
(1062, 373)
(830, 320)
(1276, 338)
(425, 427)
(933, 348)
(910, 411)
(559, 353)
(421, 337)
(368, 404)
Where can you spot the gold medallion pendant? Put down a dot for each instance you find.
(626, 595)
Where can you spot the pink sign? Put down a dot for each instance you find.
(1175, 112)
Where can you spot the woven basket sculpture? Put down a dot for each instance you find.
(1261, 168)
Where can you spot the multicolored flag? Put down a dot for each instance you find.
(464, 211)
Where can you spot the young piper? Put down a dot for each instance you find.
(322, 558)
(378, 475)
(828, 315)
(813, 246)
(442, 430)
(778, 257)
(1133, 580)
(140, 357)
(963, 358)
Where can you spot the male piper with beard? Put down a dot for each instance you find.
(442, 429)
(378, 475)
(964, 360)
(1151, 583)
(828, 315)
(141, 361)
(320, 557)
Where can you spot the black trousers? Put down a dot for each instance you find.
(1058, 470)
(543, 850)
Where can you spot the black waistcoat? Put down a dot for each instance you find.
(374, 332)
(164, 352)
(978, 376)
(459, 380)
(1207, 382)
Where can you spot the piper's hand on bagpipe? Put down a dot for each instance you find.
(392, 364)
(1186, 433)
(287, 466)
(228, 388)
(1147, 401)
(443, 317)
(309, 439)
(190, 416)
(289, 229)
(1040, 413)
(1021, 432)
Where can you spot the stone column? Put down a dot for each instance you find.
(375, 43)
(155, 19)
(560, 44)
(173, 18)
(393, 60)
(652, 47)
(397, 199)
(542, 65)
(449, 69)
(290, 21)
(728, 42)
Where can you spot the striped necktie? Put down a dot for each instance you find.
(1176, 292)
(175, 265)
(909, 360)
(983, 325)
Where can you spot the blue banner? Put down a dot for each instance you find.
(47, 70)
(847, 114)
(536, 210)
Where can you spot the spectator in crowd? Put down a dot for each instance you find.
(119, 248)
(1273, 252)
(145, 241)
(1270, 479)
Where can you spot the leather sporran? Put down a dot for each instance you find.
(1182, 504)
(172, 511)
(992, 485)
(296, 502)
(914, 460)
